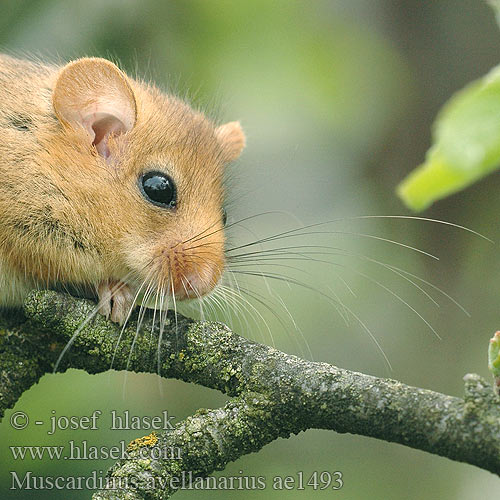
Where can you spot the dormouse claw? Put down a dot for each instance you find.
(116, 299)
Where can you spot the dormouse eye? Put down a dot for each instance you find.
(224, 216)
(159, 189)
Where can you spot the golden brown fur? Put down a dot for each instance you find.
(71, 212)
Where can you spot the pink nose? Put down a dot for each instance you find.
(195, 282)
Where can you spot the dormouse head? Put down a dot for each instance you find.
(149, 170)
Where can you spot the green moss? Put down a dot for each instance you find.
(275, 395)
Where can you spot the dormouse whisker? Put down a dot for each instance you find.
(309, 233)
(280, 256)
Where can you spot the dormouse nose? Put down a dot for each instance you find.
(195, 281)
(193, 270)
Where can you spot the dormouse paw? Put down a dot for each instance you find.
(116, 300)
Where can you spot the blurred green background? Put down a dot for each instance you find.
(336, 99)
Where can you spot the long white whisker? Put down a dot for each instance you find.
(125, 323)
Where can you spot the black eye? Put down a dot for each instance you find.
(159, 189)
(224, 217)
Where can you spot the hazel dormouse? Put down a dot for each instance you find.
(107, 184)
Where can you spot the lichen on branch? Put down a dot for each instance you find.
(273, 394)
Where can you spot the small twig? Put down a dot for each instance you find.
(275, 395)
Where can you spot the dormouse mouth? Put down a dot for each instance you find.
(189, 270)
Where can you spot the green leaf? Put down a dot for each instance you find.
(466, 145)
(494, 359)
(495, 5)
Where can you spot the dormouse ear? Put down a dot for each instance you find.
(95, 94)
(232, 139)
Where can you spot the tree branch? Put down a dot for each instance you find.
(275, 395)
